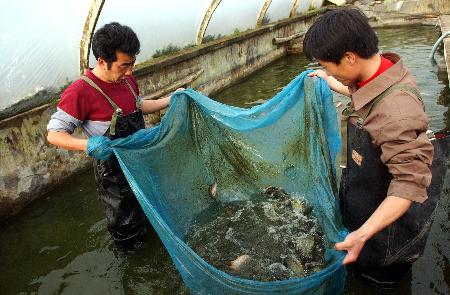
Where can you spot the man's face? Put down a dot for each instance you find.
(119, 69)
(345, 72)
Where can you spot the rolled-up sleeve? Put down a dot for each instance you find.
(62, 121)
(408, 153)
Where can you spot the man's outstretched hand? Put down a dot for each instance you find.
(99, 147)
(353, 244)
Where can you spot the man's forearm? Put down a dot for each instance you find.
(154, 105)
(337, 86)
(66, 141)
(391, 209)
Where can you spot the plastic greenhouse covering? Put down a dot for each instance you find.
(230, 146)
(247, 13)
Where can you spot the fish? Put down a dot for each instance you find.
(295, 265)
(259, 101)
(212, 191)
(239, 262)
(273, 236)
(273, 192)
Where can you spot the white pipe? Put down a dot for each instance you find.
(435, 46)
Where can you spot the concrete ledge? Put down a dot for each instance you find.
(223, 61)
(403, 12)
(153, 65)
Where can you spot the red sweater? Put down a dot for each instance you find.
(384, 65)
(83, 102)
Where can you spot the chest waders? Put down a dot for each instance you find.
(386, 258)
(126, 220)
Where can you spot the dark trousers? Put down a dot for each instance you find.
(127, 222)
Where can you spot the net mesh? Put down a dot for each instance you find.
(291, 141)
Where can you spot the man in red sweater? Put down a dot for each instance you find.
(105, 103)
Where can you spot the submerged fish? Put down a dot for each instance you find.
(239, 262)
(259, 101)
(273, 236)
(212, 191)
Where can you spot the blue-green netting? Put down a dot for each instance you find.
(291, 141)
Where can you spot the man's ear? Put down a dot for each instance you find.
(102, 63)
(350, 57)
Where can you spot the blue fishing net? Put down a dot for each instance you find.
(291, 141)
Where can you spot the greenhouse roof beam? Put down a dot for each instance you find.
(262, 13)
(294, 8)
(88, 32)
(205, 21)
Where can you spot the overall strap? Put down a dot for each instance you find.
(117, 110)
(92, 83)
(349, 112)
(346, 114)
(398, 87)
(134, 94)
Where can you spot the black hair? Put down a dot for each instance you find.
(114, 37)
(337, 32)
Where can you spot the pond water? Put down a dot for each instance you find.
(60, 245)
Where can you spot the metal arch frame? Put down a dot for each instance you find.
(262, 12)
(205, 21)
(294, 7)
(89, 26)
(97, 5)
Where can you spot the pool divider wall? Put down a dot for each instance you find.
(222, 62)
(30, 167)
(403, 12)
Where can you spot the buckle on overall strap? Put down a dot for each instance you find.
(346, 113)
(360, 122)
(112, 127)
